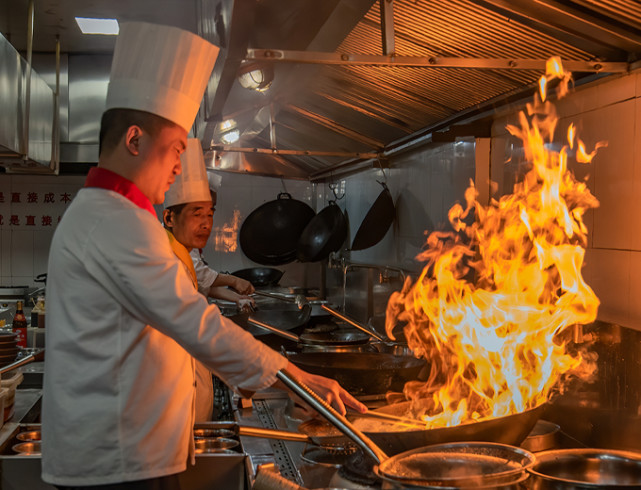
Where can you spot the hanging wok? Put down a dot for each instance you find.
(325, 233)
(376, 222)
(270, 234)
(260, 276)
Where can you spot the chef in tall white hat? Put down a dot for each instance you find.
(188, 218)
(124, 316)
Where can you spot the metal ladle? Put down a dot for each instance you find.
(299, 299)
(354, 323)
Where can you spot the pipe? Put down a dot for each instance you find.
(55, 130)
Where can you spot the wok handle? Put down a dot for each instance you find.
(277, 331)
(353, 323)
(37, 356)
(332, 416)
(282, 435)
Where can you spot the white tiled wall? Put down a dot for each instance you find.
(609, 110)
(30, 207)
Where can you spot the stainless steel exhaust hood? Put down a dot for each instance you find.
(19, 150)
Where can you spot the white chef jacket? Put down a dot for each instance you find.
(123, 318)
(204, 274)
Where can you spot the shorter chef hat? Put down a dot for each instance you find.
(191, 185)
(160, 69)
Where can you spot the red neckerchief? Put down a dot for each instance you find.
(106, 179)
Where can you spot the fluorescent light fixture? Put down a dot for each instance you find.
(97, 26)
(230, 136)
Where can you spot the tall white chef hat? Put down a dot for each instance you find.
(191, 185)
(160, 69)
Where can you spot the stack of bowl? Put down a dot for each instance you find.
(8, 348)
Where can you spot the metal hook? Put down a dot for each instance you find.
(380, 164)
(332, 186)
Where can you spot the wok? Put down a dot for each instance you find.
(376, 222)
(260, 276)
(270, 234)
(361, 373)
(325, 233)
(500, 476)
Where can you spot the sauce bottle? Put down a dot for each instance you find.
(20, 326)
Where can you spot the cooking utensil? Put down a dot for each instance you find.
(361, 373)
(376, 222)
(325, 233)
(457, 465)
(270, 234)
(36, 356)
(353, 323)
(297, 299)
(586, 468)
(397, 467)
(260, 276)
(542, 437)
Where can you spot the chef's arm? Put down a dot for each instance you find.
(328, 389)
(241, 286)
(230, 295)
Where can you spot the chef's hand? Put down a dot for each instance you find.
(328, 389)
(245, 303)
(242, 286)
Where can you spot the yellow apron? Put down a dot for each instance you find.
(204, 386)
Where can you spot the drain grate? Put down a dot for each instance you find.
(282, 456)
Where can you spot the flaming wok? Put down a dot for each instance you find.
(393, 438)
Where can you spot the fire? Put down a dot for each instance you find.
(226, 236)
(496, 292)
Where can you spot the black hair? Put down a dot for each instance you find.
(175, 210)
(115, 122)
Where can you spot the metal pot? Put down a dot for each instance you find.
(270, 234)
(325, 233)
(376, 222)
(586, 468)
(361, 373)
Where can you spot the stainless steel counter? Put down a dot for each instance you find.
(273, 409)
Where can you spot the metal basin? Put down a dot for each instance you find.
(586, 469)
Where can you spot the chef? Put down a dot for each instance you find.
(188, 218)
(125, 318)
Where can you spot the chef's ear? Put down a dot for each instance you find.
(168, 218)
(132, 139)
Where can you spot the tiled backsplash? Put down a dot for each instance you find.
(30, 209)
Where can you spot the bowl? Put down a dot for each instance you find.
(32, 435)
(27, 448)
(215, 445)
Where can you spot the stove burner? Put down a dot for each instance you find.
(326, 455)
(359, 468)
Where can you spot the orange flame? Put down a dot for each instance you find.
(226, 236)
(486, 310)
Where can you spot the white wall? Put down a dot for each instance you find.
(607, 110)
(25, 239)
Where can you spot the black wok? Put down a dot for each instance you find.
(325, 233)
(260, 276)
(270, 234)
(361, 373)
(510, 429)
(376, 222)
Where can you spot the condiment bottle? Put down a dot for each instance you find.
(20, 326)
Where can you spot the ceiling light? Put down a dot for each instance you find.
(97, 26)
(256, 76)
(230, 136)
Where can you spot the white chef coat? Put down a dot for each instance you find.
(123, 319)
(204, 274)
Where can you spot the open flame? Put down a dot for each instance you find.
(225, 237)
(487, 308)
